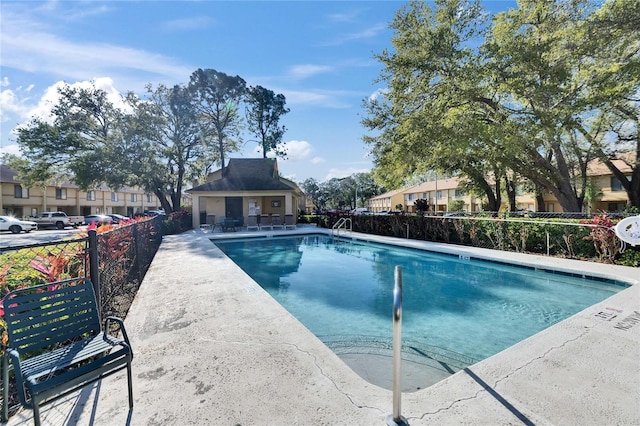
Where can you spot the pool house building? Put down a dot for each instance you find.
(245, 187)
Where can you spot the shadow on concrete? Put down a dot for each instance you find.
(499, 398)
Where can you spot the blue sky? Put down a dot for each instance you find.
(319, 54)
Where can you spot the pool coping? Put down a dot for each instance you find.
(212, 347)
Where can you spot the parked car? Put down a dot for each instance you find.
(76, 220)
(9, 223)
(154, 213)
(117, 218)
(360, 210)
(457, 214)
(98, 219)
(58, 220)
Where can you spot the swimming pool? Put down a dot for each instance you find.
(455, 310)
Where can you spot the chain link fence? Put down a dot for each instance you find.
(563, 235)
(116, 261)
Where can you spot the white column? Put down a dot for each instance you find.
(195, 212)
(288, 203)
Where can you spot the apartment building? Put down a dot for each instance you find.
(18, 200)
(386, 202)
(606, 194)
(438, 193)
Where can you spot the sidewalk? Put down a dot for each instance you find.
(211, 347)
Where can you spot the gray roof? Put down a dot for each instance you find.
(247, 174)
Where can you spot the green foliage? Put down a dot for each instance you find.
(264, 109)
(630, 257)
(217, 96)
(177, 222)
(421, 205)
(455, 205)
(537, 93)
(556, 237)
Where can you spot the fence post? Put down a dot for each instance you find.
(94, 270)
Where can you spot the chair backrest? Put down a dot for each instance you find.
(252, 220)
(240, 221)
(288, 219)
(46, 315)
(265, 219)
(275, 219)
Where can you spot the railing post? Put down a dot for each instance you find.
(94, 270)
(396, 418)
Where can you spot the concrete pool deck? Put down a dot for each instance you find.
(212, 347)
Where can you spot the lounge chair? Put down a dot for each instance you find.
(265, 221)
(252, 222)
(289, 221)
(275, 222)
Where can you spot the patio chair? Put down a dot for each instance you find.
(252, 222)
(275, 222)
(229, 224)
(289, 221)
(265, 221)
(240, 222)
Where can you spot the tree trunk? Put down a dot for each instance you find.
(510, 186)
(632, 185)
(557, 180)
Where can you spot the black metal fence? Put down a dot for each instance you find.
(116, 261)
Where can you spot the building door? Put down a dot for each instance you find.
(233, 206)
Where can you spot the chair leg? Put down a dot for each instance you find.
(36, 413)
(5, 389)
(130, 385)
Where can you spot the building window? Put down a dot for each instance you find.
(617, 207)
(459, 193)
(149, 198)
(91, 195)
(411, 197)
(61, 193)
(21, 192)
(134, 198)
(114, 196)
(616, 185)
(439, 195)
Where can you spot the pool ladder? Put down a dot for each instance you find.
(396, 418)
(344, 223)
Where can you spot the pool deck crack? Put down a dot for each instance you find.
(498, 381)
(315, 362)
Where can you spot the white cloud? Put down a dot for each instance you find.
(5, 82)
(367, 33)
(317, 160)
(188, 24)
(300, 72)
(321, 98)
(379, 92)
(298, 150)
(10, 149)
(344, 172)
(27, 46)
(343, 17)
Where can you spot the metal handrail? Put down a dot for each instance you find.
(396, 418)
(342, 223)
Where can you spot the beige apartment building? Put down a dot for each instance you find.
(607, 194)
(20, 201)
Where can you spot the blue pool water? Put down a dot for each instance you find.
(465, 309)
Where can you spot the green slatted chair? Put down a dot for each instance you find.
(56, 345)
